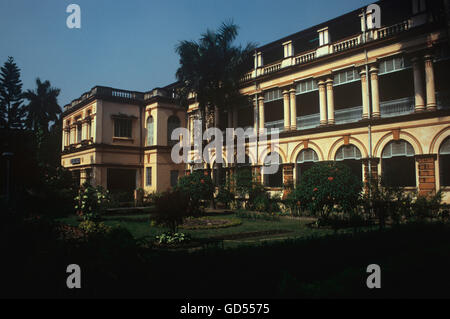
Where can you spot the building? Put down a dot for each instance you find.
(376, 97)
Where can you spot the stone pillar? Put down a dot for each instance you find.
(293, 106)
(261, 113)
(257, 174)
(235, 117)
(330, 100)
(427, 179)
(229, 118)
(288, 178)
(216, 117)
(418, 86)
(429, 78)
(287, 116)
(322, 103)
(365, 95)
(375, 93)
(255, 117)
(373, 169)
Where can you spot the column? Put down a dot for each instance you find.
(216, 117)
(261, 113)
(429, 78)
(288, 178)
(330, 100)
(230, 118)
(375, 93)
(427, 179)
(418, 86)
(373, 169)
(255, 115)
(322, 103)
(235, 117)
(365, 95)
(287, 117)
(293, 106)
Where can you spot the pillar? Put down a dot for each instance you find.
(287, 116)
(293, 107)
(373, 169)
(230, 118)
(330, 100)
(365, 95)
(235, 117)
(427, 178)
(322, 103)
(257, 174)
(288, 178)
(261, 113)
(418, 86)
(255, 115)
(375, 92)
(216, 117)
(429, 78)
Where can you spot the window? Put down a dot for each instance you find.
(306, 86)
(172, 123)
(122, 128)
(444, 163)
(346, 77)
(398, 164)
(305, 160)
(273, 95)
(148, 176)
(274, 179)
(150, 130)
(350, 156)
(173, 178)
(79, 132)
(392, 65)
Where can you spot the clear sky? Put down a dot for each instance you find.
(130, 44)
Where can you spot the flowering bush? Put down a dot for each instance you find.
(171, 208)
(90, 227)
(197, 186)
(91, 202)
(325, 188)
(172, 238)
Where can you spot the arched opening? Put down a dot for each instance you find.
(305, 160)
(444, 162)
(398, 164)
(350, 156)
(173, 122)
(272, 179)
(150, 129)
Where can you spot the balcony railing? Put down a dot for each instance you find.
(305, 57)
(272, 68)
(348, 115)
(276, 125)
(397, 107)
(393, 29)
(347, 44)
(308, 121)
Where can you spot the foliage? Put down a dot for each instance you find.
(243, 182)
(172, 238)
(226, 195)
(326, 188)
(258, 216)
(197, 186)
(90, 227)
(91, 201)
(150, 198)
(12, 112)
(426, 207)
(207, 223)
(171, 209)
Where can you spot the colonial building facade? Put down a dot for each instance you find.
(375, 97)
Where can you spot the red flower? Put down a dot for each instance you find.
(206, 173)
(330, 178)
(202, 181)
(315, 189)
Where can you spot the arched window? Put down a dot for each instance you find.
(444, 163)
(398, 164)
(305, 160)
(150, 130)
(273, 179)
(350, 155)
(172, 123)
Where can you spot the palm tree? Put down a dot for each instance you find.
(43, 107)
(212, 68)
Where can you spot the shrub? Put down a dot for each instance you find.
(225, 196)
(426, 207)
(172, 238)
(90, 227)
(171, 209)
(91, 202)
(197, 186)
(325, 188)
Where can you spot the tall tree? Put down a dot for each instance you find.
(43, 106)
(12, 112)
(212, 68)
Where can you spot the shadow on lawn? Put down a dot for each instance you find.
(414, 261)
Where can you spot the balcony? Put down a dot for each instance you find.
(348, 115)
(397, 107)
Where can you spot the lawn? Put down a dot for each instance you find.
(140, 226)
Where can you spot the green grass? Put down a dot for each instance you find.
(293, 228)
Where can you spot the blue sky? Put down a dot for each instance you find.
(130, 44)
